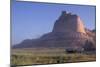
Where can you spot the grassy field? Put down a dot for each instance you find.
(35, 56)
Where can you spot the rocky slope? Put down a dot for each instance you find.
(68, 32)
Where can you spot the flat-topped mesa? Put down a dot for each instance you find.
(68, 33)
(68, 22)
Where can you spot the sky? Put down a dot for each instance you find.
(30, 20)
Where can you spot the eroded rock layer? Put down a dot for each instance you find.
(68, 32)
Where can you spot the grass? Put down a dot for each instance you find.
(47, 56)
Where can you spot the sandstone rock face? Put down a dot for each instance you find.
(68, 32)
(69, 23)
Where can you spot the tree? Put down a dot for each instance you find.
(89, 46)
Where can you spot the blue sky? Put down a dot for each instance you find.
(32, 20)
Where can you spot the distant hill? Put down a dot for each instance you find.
(68, 32)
